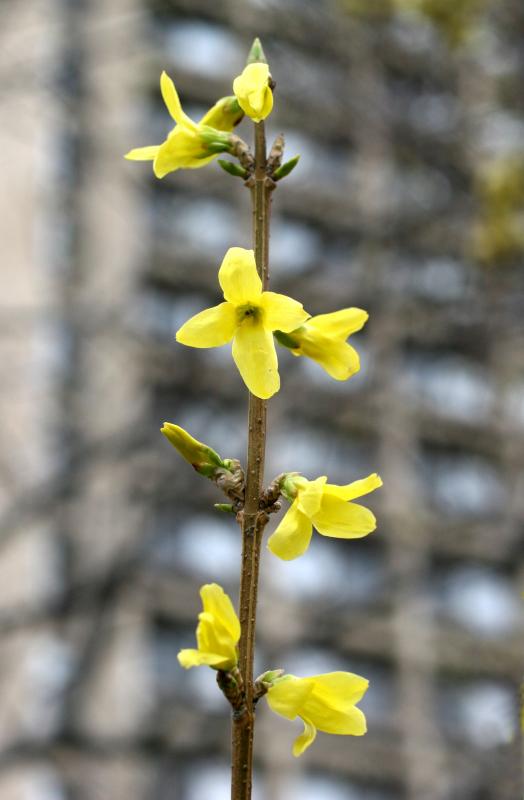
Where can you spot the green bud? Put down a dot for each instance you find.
(268, 678)
(256, 54)
(227, 508)
(234, 169)
(287, 485)
(199, 455)
(286, 168)
(286, 340)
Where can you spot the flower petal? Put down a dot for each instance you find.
(212, 327)
(282, 313)
(342, 520)
(306, 738)
(216, 602)
(148, 153)
(183, 149)
(293, 535)
(355, 489)
(340, 360)
(214, 638)
(351, 722)
(310, 496)
(340, 323)
(194, 658)
(287, 696)
(255, 356)
(340, 690)
(224, 115)
(239, 278)
(172, 101)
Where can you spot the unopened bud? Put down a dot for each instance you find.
(199, 455)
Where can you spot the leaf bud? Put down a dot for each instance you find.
(256, 55)
(286, 168)
(233, 169)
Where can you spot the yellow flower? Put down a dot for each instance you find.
(190, 144)
(323, 702)
(324, 506)
(323, 339)
(253, 91)
(248, 316)
(217, 633)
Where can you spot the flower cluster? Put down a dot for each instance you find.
(323, 702)
(253, 320)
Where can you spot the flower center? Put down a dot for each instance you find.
(248, 313)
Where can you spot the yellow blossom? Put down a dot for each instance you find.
(323, 702)
(323, 339)
(326, 507)
(248, 317)
(253, 91)
(217, 633)
(190, 144)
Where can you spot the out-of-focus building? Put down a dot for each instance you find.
(407, 202)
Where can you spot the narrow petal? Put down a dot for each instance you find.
(340, 323)
(287, 696)
(282, 313)
(213, 637)
(310, 497)
(238, 277)
(340, 360)
(216, 602)
(210, 328)
(166, 160)
(306, 738)
(342, 520)
(143, 153)
(194, 658)
(172, 101)
(340, 690)
(255, 356)
(351, 722)
(355, 489)
(292, 537)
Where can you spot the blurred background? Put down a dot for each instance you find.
(408, 202)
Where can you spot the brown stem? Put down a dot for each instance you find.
(253, 519)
